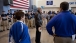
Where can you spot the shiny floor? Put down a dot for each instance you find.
(45, 37)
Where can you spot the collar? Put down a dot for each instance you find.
(20, 21)
(65, 12)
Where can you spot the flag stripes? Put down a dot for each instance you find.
(23, 4)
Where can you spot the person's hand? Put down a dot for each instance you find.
(39, 29)
(54, 35)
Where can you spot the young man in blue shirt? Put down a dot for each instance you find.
(19, 31)
(64, 23)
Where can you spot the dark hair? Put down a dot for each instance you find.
(19, 15)
(38, 10)
(64, 6)
(53, 12)
(43, 11)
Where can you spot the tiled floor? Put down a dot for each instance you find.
(45, 37)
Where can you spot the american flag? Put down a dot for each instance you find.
(23, 4)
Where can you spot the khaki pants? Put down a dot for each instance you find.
(9, 24)
(33, 22)
(63, 40)
(4, 24)
(29, 23)
(44, 22)
(12, 21)
(26, 22)
(0, 25)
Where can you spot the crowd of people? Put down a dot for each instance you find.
(64, 22)
(5, 21)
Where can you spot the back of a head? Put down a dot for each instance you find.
(43, 11)
(39, 10)
(53, 12)
(19, 15)
(64, 6)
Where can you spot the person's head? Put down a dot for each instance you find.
(53, 12)
(43, 11)
(3, 12)
(32, 12)
(29, 12)
(64, 6)
(20, 15)
(20, 10)
(8, 11)
(39, 10)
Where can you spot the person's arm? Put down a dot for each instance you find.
(50, 25)
(39, 23)
(42, 16)
(6, 16)
(25, 35)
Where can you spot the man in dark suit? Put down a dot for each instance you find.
(38, 22)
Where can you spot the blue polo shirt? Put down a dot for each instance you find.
(19, 33)
(64, 23)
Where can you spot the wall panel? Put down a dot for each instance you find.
(56, 3)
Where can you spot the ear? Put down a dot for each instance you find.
(60, 9)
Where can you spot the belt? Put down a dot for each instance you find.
(63, 36)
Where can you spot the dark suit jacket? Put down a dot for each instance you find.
(38, 19)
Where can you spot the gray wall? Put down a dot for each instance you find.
(1, 6)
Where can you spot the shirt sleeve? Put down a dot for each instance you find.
(50, 25)
(25, 36)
